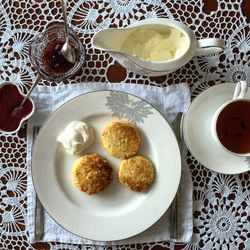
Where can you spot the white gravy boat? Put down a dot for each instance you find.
(111, 40)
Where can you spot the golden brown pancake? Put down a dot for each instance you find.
(120, 139)
(91, 173)
(137, 173)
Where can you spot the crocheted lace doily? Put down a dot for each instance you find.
(221, 202)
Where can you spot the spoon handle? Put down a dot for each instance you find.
(64, 10)
(38, 79)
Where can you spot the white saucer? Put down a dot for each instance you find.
(198, 136)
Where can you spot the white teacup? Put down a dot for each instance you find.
(231, 123)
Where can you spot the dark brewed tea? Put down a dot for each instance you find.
(233, 127)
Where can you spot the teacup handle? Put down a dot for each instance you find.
(209, 46)
(240, 90)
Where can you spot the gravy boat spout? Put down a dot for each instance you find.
(111, 39)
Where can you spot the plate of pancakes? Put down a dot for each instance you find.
(123, 182)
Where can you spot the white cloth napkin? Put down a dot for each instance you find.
(169, 101)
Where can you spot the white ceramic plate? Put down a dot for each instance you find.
(117, 213)
(198, 135)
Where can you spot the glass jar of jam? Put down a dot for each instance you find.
(46, 56)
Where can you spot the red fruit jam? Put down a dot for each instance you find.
(53, 59)
(10, 114)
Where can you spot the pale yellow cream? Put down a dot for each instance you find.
(152, 45)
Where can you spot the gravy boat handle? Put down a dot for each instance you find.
(209, 46)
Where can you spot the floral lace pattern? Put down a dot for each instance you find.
(221, 202)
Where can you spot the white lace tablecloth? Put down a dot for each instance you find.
(221, 202)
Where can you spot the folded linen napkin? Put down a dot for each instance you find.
(169, 101)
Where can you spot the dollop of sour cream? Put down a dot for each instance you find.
(76, 137)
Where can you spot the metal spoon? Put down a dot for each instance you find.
(16, 110)
(38, 79)
(67, 49)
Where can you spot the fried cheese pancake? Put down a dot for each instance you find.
(137, 173)
(91, 173)
(120, 139)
